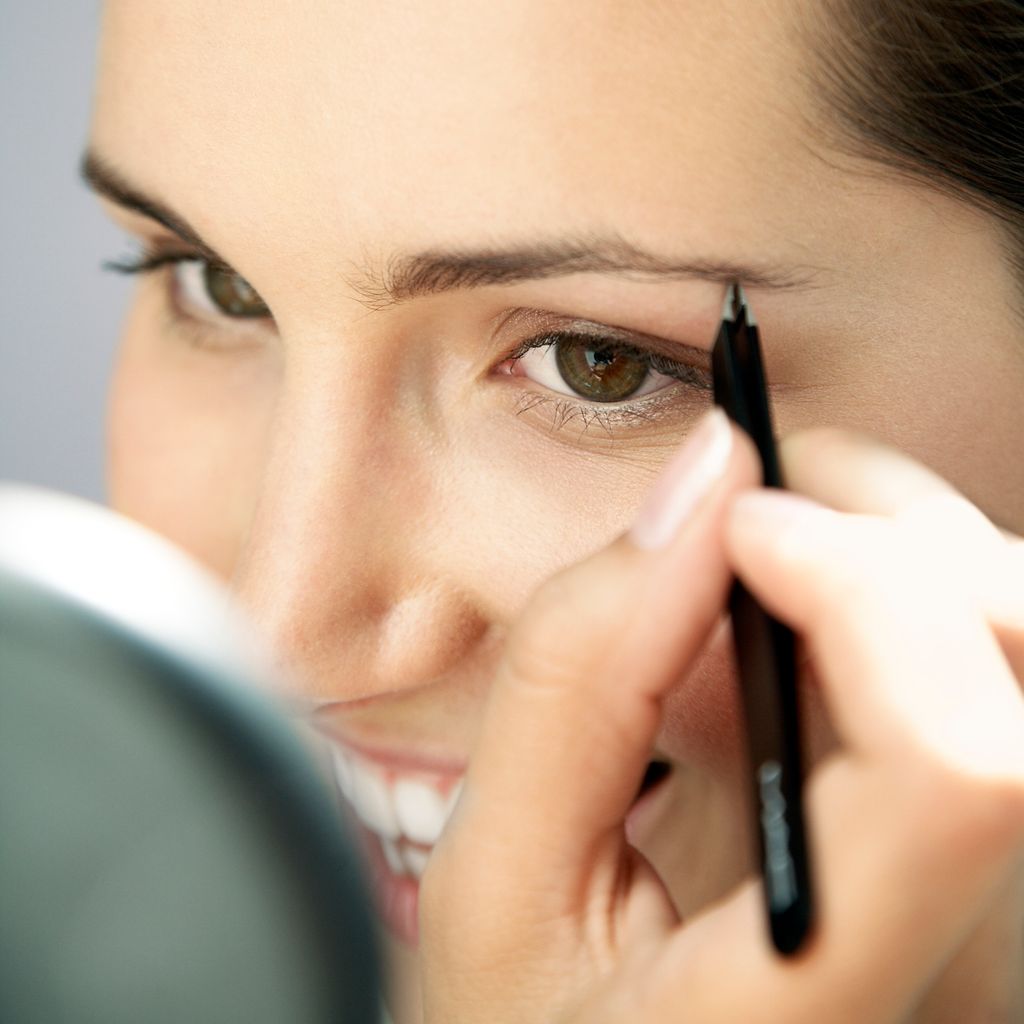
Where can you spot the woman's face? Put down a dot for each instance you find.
(415, 191)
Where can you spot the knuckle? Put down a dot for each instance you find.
(552, 600)
(548, 655)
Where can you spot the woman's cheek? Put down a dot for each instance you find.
(185, 455)
(702, 724)
(521, 503)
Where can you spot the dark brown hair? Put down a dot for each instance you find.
(934, 89)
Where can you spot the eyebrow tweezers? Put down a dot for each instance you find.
(765, 657)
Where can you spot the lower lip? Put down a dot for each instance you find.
(647, 809)
(397, 896)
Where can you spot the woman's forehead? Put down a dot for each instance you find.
(305, 141)
(459, 113)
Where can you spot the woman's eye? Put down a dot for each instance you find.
(595, 369)
(216, 290)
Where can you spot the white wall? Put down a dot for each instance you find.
(60, 312)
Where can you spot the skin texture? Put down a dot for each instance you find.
(365, 475)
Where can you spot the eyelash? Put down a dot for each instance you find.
(612, 415)
(153, 259)
(196, 330)
(563, 409)
(684, 372)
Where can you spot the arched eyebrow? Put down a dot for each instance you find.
(406, 276)
(106, 181)
(434, 271)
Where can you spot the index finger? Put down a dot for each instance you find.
(853, 472)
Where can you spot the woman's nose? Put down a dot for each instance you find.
(344, 568)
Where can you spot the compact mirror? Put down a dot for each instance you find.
(168, 851)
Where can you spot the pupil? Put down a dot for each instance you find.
(599, 374)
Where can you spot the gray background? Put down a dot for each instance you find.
(61, 312)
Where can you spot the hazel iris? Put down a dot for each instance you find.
(232, 294)
(602, 374)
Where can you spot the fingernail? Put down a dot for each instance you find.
(694, 470)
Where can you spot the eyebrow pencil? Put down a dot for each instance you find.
(765, 656)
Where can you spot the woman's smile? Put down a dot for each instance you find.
(401, 804)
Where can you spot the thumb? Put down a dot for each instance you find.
(575, 707)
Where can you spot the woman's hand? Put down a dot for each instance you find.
(534, 908)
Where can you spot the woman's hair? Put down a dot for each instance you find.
(934, 89)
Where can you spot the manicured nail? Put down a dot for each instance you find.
(694, 470)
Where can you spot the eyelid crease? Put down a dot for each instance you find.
(536, 321)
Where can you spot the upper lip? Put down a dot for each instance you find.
(394, 755)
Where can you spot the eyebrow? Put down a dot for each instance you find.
(106, 181)
(434, 271)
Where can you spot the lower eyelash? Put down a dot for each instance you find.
(564, 412)
(161, 263)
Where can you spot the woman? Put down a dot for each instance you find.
(433, 290)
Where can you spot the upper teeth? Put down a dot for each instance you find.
(421, 811)
(394, 806)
